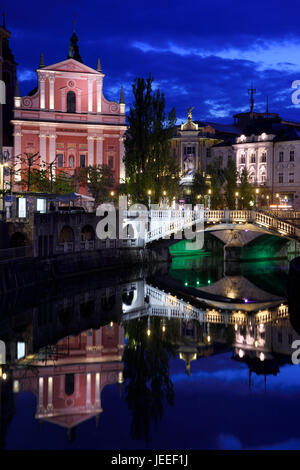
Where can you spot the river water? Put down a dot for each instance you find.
(196, 355)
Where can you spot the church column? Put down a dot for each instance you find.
(51, 91)
(97, 390)
(122, 164)
(43, 150)
(41, 396)
(90, 96)
(90, 149)
(50, 395)
(79, 101)
(100, 150)
(18, 152)
(88, 390)
(42, 79)
(99, 95)
(63, 99)
(52, 152)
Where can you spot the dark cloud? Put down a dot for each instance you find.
(204, 54)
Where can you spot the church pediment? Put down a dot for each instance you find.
(70, 65)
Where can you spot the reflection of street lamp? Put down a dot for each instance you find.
(236, 201)
(278, 199)
(256, 196)
(208, 203)
(149, 199)
(148, 327)
(268, 197)
(164, 200)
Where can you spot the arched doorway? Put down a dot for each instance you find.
(66, 239)
(87, 238)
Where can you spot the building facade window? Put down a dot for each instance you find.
(263, 157)
(280, 178)
(60, 160)
(82, 161)
(292, 156)
(252, 159)
(71, 102)
(111, 162)
(281, 156)
(291, 177)
(243, 159)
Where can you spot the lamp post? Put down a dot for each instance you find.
(256, 197)
(164, 199)
(112, 193)
(149, 199)
(278, 200)
(208, 202)
(236, 201)
(268, 197)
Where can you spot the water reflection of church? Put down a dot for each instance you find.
(68, 379)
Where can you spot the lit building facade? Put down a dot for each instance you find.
(67, 119)
(190, 147)
(269, 149)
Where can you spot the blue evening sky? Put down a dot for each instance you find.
(201, 54)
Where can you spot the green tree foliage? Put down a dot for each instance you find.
(199, 187)
(99, 180)
(217, 179)
(231, 174)
(146, 373)
(246, 189)
(148, 160)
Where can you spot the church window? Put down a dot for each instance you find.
(60, 160)
(82, 161)
(71, 102)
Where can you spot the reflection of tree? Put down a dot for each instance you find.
(146, 372)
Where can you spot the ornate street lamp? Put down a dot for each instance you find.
(149, 199)
(208, 203)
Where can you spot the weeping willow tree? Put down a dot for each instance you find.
(148, 161)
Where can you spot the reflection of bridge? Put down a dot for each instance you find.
(165, 222)
(166, 305)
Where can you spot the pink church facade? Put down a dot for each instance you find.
(68, 120)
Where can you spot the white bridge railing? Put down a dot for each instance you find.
(166, 305)
(165, 222)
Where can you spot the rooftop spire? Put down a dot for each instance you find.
(73, 46)
(99, 65)
(251, 92)
(122, 99)
(42, 63)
